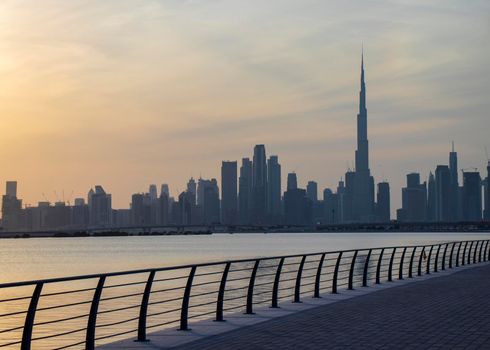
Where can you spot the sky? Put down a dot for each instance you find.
(127, 93)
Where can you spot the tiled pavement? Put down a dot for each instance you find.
(451, 311)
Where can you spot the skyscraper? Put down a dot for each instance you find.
(292, 181)
(11, 189)
(431, 199)
(191, 189)
(245, 191)
(383, 206)
(362, 187)
(443, 193)
(274, 190)
(472, 200)
(229, 196)
(11, 207)
(259, 187)
(454, 197)
(312, 191)
(414, 200)
(100, 207)
(487, 194)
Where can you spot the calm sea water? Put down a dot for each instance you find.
(27, 259)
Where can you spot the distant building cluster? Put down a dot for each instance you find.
(252, 195)
(443, 199)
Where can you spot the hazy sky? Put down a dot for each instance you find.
(127, 93)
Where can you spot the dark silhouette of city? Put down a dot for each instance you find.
(251, 196)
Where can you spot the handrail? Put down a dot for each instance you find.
(203, 293)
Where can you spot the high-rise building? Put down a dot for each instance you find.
(274, 190)
(330, 204)
(229, 195)
(11, 208)
(414, 200)
(11, 189)
(292, 181)
(259, 186)
(192, 192)
(312, 191)
(454, 186)
(245, 191)
(165, 189)
(431, 199)
(443, 193)
(383, 207)
(208, 201)
(297, 206)
(472, 209)
(100, 207)
(362, 186)
(487, 194)
(152, 191)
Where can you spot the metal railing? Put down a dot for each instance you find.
(82, 311)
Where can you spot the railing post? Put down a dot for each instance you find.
(144, 308)
(184, 311)
(29, 321)
(481, 251)
(476, 250)
(275, 289)
(366, 267)
(351, 272)
(410, 267)
(422, 254)
(486, 254)
(390, 268)
(428, 259)
(297, 289)
(336, 274)
(250, 293)
(463, 261)
(451, 256)
(318, 277)
(436, 262)
(458, 254)
(378, 268)
(92, 318)
(221, 293)
(443, 267)
(402, 260)
(469, 253)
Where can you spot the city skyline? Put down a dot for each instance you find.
(427, 87)
(253, 196)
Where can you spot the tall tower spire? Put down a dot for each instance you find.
(362, 153)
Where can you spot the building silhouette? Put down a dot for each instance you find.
(414, 200)
(443, 194)
(229, 194)
(487, 194)
(297, 206)
(259, 186)
(454, 202)
(360, 187)
(11, 207)
(245, 191)
(100, 207)
(274, 207)
(383, 206)
(472, 198)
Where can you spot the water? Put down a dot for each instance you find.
(31, 259)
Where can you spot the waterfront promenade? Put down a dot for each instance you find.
(447, 310)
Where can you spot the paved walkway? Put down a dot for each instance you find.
(450, 312)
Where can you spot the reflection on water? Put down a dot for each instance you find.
(121, 297)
